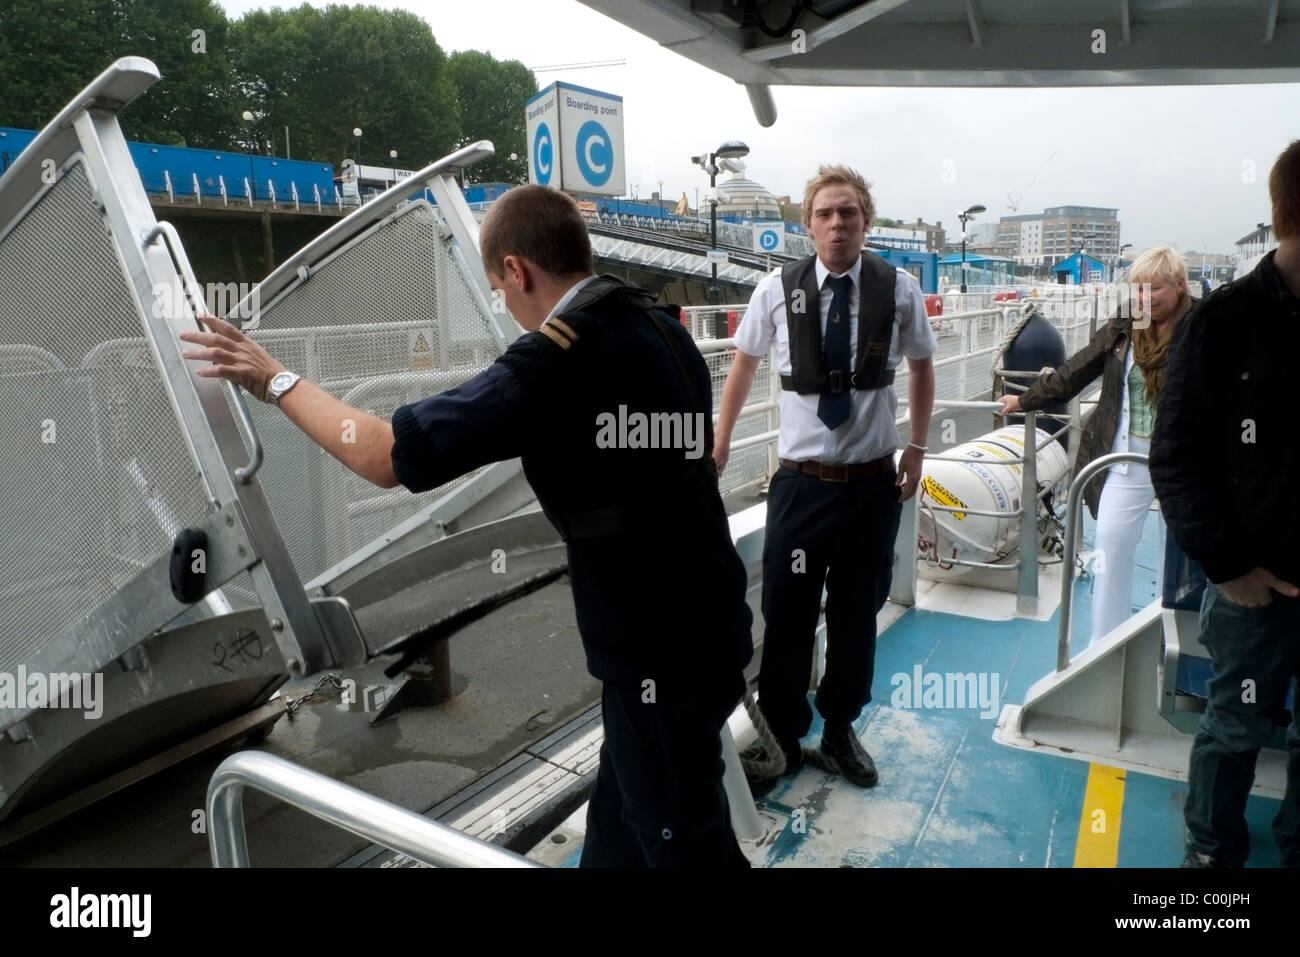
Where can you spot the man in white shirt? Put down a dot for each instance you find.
(841, 321)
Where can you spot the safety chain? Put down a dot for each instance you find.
(292, 705)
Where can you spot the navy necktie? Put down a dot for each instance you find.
(833, 409)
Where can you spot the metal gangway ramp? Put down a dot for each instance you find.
(114, 447)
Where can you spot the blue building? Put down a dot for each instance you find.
(1079, 268)
(923, 265)
(980, 270)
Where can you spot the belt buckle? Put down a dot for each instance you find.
(825, 473)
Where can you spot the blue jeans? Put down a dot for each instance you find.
(1256, 657)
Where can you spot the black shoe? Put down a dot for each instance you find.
(761, 784)
(845, 756)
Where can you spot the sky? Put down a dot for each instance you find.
(1175, 161)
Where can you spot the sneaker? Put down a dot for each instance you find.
(845, 756)
(760, 783)
(1199, 859)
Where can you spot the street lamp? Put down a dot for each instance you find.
(252, 177)
(969, 214)
(392, 155)
(732, 149)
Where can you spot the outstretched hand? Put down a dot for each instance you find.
(233, 355)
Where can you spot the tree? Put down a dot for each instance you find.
(492, 94)
(50, 49)
(324, 72)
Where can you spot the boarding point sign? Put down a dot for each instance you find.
(575, 140)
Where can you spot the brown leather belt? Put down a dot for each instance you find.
(843, 473)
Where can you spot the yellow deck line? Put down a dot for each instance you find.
(1099, 819)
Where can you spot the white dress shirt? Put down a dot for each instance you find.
(870, 432)
(569, 294)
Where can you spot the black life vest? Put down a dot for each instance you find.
(875, 328)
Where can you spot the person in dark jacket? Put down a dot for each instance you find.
(1130, 354)
(573, 397)
(1224, 461)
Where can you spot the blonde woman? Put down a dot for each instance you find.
(1129, 353)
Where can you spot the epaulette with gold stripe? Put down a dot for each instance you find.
(559, 332)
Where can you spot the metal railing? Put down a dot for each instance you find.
(1071, 521)
(1026, 570)
(763, 414)
(355, 811)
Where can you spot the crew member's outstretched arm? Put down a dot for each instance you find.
(358, 439)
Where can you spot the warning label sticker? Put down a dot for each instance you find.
(943, 496)
(421, 354)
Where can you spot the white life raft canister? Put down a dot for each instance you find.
(982, 475)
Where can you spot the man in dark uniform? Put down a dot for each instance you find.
(608, 403)
(839, 322)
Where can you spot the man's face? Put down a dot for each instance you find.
(837, 226)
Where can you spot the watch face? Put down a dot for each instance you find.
(281, 380)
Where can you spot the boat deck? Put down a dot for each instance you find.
(949, 796)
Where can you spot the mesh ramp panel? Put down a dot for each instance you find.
(80, 515)
(387, 320)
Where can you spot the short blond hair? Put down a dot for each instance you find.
(839, 175)
(1159, 262)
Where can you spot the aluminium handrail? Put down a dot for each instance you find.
(167, 232)
(344, 806)
(1067, 557)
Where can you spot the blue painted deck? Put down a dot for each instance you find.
(948, 795)
(951, 797)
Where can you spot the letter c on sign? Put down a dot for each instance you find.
(542, 154)
(595, 153)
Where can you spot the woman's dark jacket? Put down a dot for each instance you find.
(1104, 356)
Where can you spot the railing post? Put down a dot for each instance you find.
(167, 182)
(293, 191)
(1072, 535)
(961, 366)
(1027, 577)
(773, 414)
(248, 192)
(902, 587)
(221, 183)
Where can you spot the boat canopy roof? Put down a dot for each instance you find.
(975, 43)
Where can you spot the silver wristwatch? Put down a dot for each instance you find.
(281, 383)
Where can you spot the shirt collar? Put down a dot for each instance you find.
(567, 298)
(1271, 279)
(853, 272)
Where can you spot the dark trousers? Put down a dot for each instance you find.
(1260, 646)
(658, 799)
(840, 534)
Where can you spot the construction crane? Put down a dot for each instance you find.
(583, 65)
(1013, 204)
